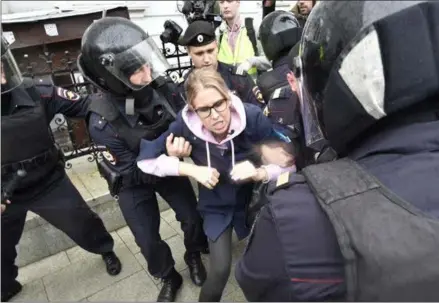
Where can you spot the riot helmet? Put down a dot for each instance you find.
(11, 75)
(362, 61)
(278, 33)
(119, 56)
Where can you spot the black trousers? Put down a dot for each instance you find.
(140, 208)
(60, 204)
(220, 264)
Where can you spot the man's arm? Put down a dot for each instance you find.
(260, 62)
(247, 90)
(58, 100)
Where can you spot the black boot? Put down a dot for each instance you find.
(171, 284)
(196, 268)
(11, 291)
(112, 263)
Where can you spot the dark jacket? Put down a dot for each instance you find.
(31, 141)
(103, 133)
(225, 204)
(405, 159)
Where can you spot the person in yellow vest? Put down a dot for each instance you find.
(237, 41)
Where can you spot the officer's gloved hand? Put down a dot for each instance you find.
(244, 67)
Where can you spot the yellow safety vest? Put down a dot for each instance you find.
(243, 50)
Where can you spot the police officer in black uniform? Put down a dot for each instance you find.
(199, 38)
(137, 102)
(33, 176)
(279, 34)
(364, 227)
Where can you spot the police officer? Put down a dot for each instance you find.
(363, 227)
(138, 102)
(33, 176)
(279, 33)
(199, 38)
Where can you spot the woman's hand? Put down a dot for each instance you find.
(208, 177)
(178, 147)
(246, 170)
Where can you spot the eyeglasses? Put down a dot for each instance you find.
(206, 111)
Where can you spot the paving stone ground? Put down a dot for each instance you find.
(76, 275)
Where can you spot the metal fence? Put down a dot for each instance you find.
(72, 135)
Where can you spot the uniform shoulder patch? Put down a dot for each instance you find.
(257, 92)
(266, 111)
(67, 94)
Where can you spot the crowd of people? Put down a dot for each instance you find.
(315, 139)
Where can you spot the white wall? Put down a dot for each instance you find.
(150, 15)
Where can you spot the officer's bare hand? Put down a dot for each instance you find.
(178, 147)
(292, 81)
(207, 176)
(4, 206)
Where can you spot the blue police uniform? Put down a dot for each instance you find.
(283, 108)
(137, 196)
(46, 190)
(304, 262)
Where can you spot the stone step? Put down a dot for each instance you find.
(41, 239)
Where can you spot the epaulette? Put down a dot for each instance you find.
(285, 180)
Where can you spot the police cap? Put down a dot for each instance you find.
(198, 33)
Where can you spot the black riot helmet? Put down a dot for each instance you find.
(362, 61)
(11, 75)
(113, 49)
(278, 33)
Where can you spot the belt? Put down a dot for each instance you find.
(31, 163)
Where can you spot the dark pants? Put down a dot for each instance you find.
(220, 263)
(61, 205)
(140, 208)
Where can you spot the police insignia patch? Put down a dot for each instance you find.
(258, 94)
(67, 94)
(266, 111)
(200, 38)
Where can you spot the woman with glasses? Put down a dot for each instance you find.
(223, 132)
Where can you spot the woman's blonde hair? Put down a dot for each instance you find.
(204, 78)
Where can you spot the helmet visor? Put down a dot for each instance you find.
(11, 75)
(314, 137)
(137, 66)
